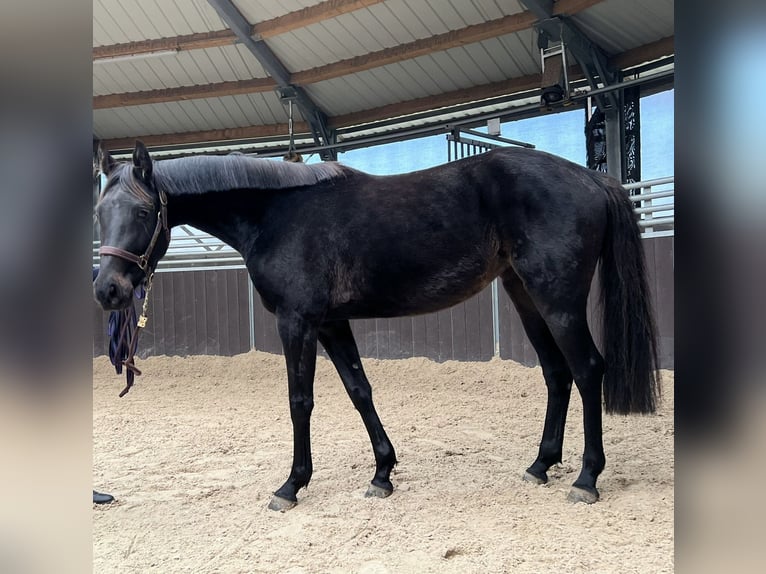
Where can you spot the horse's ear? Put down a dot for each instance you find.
(142, 162)
(106, 162)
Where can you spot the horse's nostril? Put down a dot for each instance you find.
(112, 291)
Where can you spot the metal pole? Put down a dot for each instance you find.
(496, 318)
(613, 143)
(251, 311)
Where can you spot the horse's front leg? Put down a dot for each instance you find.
(299, 340)
(338, 341)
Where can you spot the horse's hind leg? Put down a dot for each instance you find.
(338, 340)
(558, 379)
(567, 321)
(572, 335)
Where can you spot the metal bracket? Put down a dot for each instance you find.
(592, 59)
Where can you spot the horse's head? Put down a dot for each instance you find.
(133, 226)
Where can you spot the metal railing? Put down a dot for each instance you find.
(191, 249)
(655, 203)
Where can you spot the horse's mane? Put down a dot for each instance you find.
(201, 174)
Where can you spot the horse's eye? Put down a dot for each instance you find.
(143, 213)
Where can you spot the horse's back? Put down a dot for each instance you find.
(418, 242)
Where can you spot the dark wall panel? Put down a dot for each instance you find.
(99, 332)
(419, 348)
(514, 343)
(212, 341)
(156, 326)
(190, 313)
(431, 336)
(664, 254)
(165, 306)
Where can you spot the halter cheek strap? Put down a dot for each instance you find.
(143, 260)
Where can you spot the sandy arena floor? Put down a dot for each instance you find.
(195, 450)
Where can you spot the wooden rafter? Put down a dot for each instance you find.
(441, 42)
(645, 53)
(475, 93)
(438, 43)
(452, 39)
(257, 85)
(267, 29)
(226, 134)
(627, 59)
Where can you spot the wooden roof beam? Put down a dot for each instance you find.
(254, 86)
(221, 135)
(476, 93)
(266, 29)
(646, 53)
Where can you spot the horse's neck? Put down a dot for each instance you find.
(215, 214)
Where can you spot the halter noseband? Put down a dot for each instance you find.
(143, 260)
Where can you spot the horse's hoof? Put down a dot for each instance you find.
(281, 504)
(529, 477)
(582, 494)
(377, 492)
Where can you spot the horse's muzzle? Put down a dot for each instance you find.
(113, 293)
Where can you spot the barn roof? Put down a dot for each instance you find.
(216, 74)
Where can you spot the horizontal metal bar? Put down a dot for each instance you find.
(199, 254)
(222, 250)
(193, 262)
(666, 61)
(190, 249)
(471, 141)
(654, 208)
(458, 108)
(665, 233)
(625, 84)
(652, 195)
(219, 250)
(196, 258)
(199, 259)
(649, 182)
(497, 138)
(200, 268)
(656, 221)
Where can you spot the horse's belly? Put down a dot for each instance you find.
(415, 294)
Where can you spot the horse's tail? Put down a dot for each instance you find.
(632, 379)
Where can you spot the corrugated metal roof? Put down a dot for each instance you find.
(186, 68)
(461, 70)
(617, 26)
(120, 21)
(260, 10)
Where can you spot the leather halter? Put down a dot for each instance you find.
(143, 260)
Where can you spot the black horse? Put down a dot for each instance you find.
(326, 243)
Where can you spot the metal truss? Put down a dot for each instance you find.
(314, 116)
